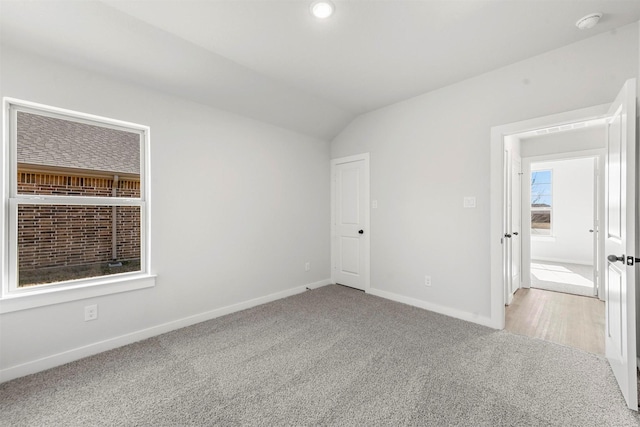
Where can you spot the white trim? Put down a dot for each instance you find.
(58, 359)
(75, 289)
(57, 294)
(367, 215)
(447, 311)
(496, 192)
(78, 116)
(319, 284)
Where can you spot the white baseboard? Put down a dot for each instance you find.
(58, 359)
(447, 311)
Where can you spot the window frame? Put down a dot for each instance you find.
(13, 297)
(538, 209)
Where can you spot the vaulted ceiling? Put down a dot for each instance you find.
(272, 61)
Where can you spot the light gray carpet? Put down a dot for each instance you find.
(332, 356)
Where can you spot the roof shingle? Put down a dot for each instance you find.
(50, 141)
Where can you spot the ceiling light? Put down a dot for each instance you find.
(588, 21)
(322, 9)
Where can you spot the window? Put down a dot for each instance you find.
(77, 200)
(541, 202)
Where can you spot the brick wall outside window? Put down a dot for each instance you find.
(57, 236)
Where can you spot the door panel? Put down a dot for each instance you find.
(614, 314)
(516, 223)
(620, 217)
(350, 243)
(349, 196)
(350, 255)
(614, 173)
(506, 230)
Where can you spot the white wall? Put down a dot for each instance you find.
(428, 152)
(572, 213)
(238, 207)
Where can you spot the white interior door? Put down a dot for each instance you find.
(506, 229)
(350, 242)
(512, 224)
(516, 224)
(620, 217)
(595, 230)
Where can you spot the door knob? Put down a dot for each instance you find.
(360, 231)
(613, 258)
(515, 233)
(507, 235)
(590, 231)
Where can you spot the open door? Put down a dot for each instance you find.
(516, 224)
(620, 217)
(512, 223)
(507, 252)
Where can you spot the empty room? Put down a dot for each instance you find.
(311, 212)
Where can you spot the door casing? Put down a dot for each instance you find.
(497, 196)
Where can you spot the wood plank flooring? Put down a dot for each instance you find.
(570, 320)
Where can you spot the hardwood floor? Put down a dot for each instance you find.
(570, 320)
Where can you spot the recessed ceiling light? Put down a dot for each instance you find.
(322, 9)
(588, 21)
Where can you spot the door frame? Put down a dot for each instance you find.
(497, 196)
(598, 202)
(367, 217)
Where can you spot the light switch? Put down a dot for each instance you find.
(469, 202)
(374, 204)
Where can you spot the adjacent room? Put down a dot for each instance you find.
(283, 212)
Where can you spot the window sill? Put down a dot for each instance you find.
(50, 296)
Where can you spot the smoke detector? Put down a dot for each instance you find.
(588, 21)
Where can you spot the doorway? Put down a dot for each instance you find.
(618, 227)
(560, 210)
(562, 213)
(350, 231)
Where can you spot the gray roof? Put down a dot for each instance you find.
(49, 141)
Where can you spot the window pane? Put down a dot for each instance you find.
(63, 157)
(541, 189)
(540, 201)
(64, 242)
(541, 222)
(541, 177)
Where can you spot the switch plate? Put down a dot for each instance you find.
(469, 202)
(307, 266)
(427, 280)
(91, 312)
(374, 204)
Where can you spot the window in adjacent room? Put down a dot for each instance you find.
(541, 203)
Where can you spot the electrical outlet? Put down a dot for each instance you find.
(307, 266)
(90, 312)
(469, 202)
(427, 280)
